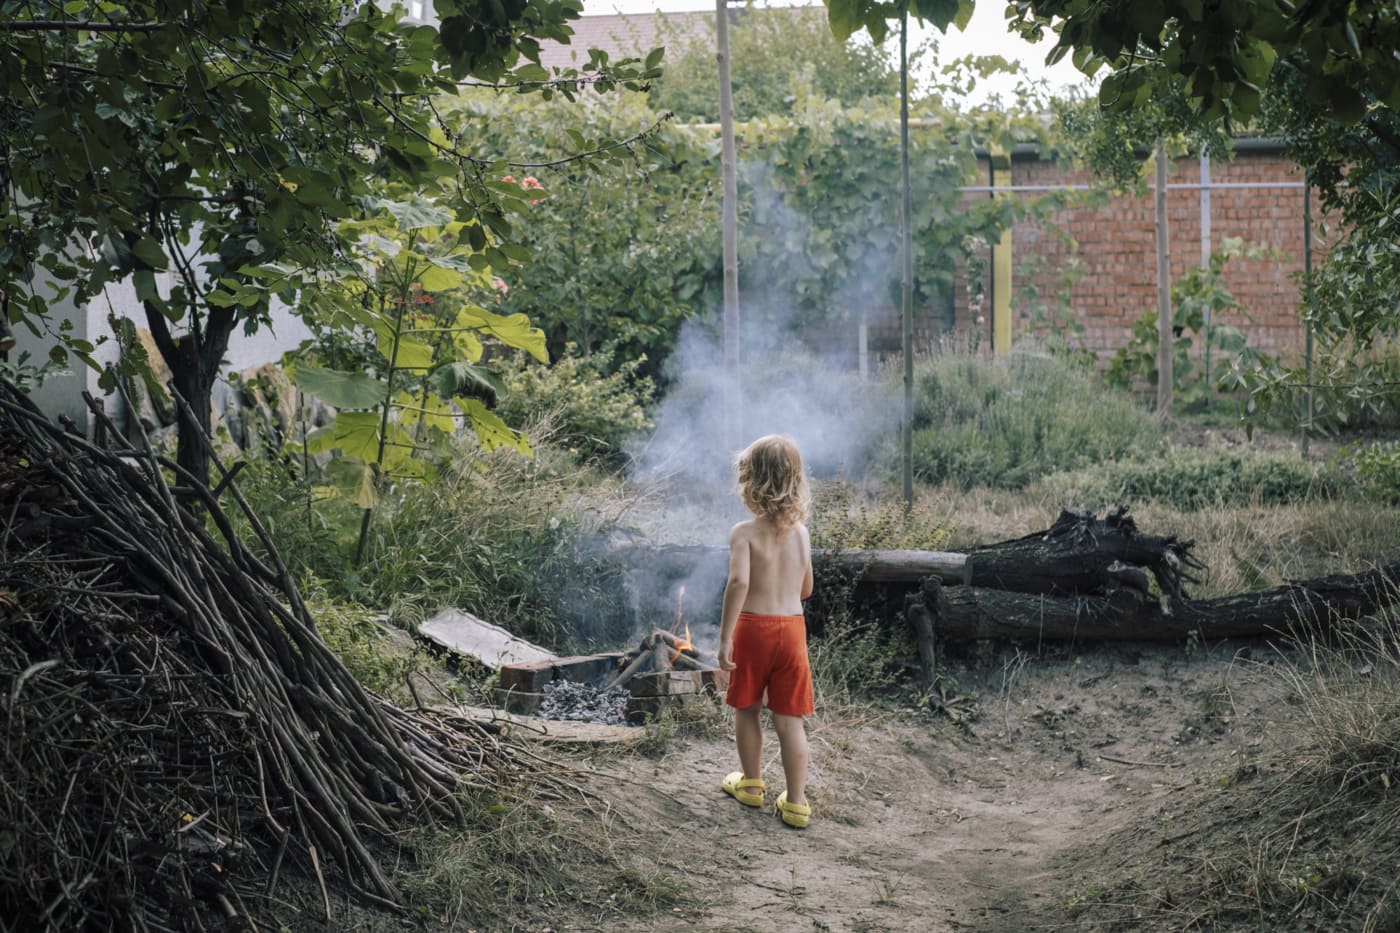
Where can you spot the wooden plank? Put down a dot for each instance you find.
(490, 644)
(564, 732)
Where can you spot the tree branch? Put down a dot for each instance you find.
(86, 25)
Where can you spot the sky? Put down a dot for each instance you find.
(985, 35)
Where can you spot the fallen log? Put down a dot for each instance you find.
(1074, 555)
(1124, 612)
(1080, 553)
(679, 562)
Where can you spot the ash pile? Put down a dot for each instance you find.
(582, 702)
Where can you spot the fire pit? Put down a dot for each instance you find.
(665, 668)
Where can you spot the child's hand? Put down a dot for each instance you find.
(726, 655)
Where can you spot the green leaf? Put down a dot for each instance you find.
(514, 330)
(490, 430)
(145, 282)
(74, 6)
(941, 13)
(148, 250)
(427, 409)
(341, 389)
(409, 354)
(416, 213)
(461, 379)
(354, 479)
(354, 433)
(844, 17)
(438, 278)
(219, 298)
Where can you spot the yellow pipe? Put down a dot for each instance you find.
(1001, 268)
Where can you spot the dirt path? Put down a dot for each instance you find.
(920, 825)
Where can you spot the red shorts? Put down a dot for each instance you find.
(770, 653)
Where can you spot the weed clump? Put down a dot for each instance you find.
(1192, 481)
(1007, 421)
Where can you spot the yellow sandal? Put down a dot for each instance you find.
(797, 815)
(741, 788)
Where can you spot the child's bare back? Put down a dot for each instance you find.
(774, 564)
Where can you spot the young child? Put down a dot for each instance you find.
(762, 636)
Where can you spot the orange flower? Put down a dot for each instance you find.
(508, 179)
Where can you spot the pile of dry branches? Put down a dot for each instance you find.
(176, 733)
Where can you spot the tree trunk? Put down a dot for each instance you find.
(194, 360)
(1124, 612)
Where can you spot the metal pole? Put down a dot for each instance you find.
(1166, 339)
(1205, 264)
(734, 414)
(907, 247)
(1307, 321)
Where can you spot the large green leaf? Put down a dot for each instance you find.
(513, 330)
(436, 277)
(844, 17)
(416, 213)
(354, 479)
(461, 379)
(353, 433)
(428, 409)
(491, 430)
(406, 352)
(343, 390)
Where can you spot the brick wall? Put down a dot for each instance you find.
(1116, 248)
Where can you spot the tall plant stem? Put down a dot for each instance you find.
(383, 415)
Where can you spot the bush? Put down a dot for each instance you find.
(1378, 471)
(498, 535)
(357, 638)
(842, 518)
(1006, 421)
(576, 404)
(1191, 481)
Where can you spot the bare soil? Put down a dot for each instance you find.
(1016, 821)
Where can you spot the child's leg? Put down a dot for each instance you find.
(748, 736)
(792, 740)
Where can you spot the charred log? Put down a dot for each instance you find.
(1124, 612)
(1081, 553)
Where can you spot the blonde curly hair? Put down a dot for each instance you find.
(772, 481)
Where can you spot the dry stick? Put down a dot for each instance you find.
(325, 895)
(635, 665)
(660, 656)
(312, 645)
(1138, 764)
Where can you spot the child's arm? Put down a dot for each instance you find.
(736, 588)
(807, 582)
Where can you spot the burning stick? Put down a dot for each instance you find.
(635, 664)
